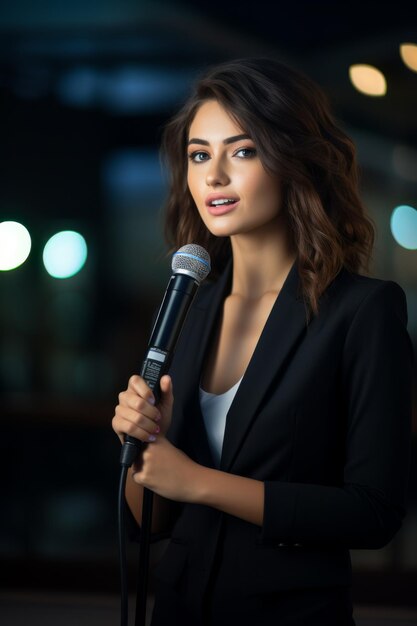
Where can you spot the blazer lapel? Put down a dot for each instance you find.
(284, 329)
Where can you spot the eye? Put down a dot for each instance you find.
(198, 156)
(245, 153)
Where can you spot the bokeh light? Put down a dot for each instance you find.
(368, 79)
(408, 52)
(404, 226)
(65, 254)
(15, 245)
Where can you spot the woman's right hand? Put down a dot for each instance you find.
(136, 413)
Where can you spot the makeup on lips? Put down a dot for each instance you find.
(220, 204)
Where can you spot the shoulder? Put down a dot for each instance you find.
(363, 310)
(375, 316)
(358, 293)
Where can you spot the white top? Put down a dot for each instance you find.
(214, 409)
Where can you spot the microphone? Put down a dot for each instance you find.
(190, 266)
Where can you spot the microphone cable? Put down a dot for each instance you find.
(121, 522)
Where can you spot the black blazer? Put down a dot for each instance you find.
(322, 417)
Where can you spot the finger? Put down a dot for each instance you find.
(138, 384)
(128, 422)
(137, 478)
(137, 419)
(137, 433)
(131, 400)
(166, 383)
(167, 396)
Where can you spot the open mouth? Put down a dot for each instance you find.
(223, 201)
(221, 206)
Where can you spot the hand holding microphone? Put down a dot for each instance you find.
(137, 414)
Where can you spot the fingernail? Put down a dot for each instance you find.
(158, 418)
(151, 438)
(157, 429)
(151, 400)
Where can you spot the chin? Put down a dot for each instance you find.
(219, 230)
(223, 232)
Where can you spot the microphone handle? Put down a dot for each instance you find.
(177, 300)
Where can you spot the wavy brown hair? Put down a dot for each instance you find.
(297, 138)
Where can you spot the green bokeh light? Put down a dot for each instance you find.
(404, 226)
(65, 254)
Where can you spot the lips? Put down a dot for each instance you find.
(230, 202)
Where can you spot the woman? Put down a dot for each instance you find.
(288, 439)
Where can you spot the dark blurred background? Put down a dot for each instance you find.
(86, 88)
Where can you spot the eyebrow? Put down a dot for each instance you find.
(226, 141)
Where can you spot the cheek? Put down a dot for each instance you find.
(266, 192)
(272, 199)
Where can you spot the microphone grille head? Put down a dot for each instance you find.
(192, 260)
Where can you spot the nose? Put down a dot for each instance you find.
(217, 174)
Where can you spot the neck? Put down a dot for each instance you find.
(261, 263)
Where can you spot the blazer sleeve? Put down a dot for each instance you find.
(367, 510)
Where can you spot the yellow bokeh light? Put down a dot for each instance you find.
(408, 52)
(368, 79)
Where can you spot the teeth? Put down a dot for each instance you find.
(223, 201)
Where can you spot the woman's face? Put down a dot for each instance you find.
(233, 192)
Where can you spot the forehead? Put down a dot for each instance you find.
(213, 119)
